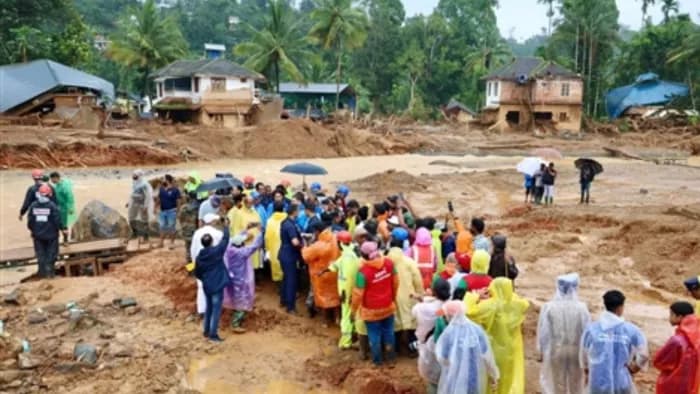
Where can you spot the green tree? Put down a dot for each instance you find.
(28, 43)
(146, 40)
(667, 7)
(340, 27)
(550, 14)
(645, 9)
(375, 62)
(279, 46)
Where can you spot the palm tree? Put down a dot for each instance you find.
(278, 46)
(338, 26)
(668, 6)
(645, 8)
(147, 40)
(550, 14)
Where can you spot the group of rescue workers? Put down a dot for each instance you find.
(402, 285)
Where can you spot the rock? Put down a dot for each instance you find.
(68, 367)
(643, 191)
(98, 221)
(132, 310)
(36, 317)
(11, 375)
(26, 361)
(45, 286)
(117, 349)
(107, 335)
(54, 309)
(124, 302)
(44, 296)
(85, 353)
(13, 298)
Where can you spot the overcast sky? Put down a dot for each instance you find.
(524, 18)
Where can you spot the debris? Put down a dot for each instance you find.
(14, 297)
(132, 310)
(99, 221)
(643, 191)
(118, 349)
(8, 376)
(124, 302)
(26, 361)
(85, 353)
(36, 317)
(68, 367)
(107, 335)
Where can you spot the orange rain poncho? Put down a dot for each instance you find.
(318, 257)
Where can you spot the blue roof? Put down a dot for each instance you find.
(648, 89)
(22, 82)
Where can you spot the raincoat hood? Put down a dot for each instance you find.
(501, 289)
(480, 262)
(609, 320)
(690, 328)
(139, 182)
(423, 237)
(326, 236)
(279, 216)
(567, 287)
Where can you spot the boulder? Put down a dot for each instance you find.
(124, 302)
(25, 361)
(36, 317)
(14, 297)
(85, 353)
(98, 221)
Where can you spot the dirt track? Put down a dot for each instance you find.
(640, 241)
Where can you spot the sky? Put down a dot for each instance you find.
(524, 18)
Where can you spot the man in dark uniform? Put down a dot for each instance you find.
(30, 195)
(290, 256)
(188, 218)
(44, 222)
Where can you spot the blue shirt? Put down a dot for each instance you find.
(168, 198)
(289, 231)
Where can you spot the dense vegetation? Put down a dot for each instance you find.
(398, 64)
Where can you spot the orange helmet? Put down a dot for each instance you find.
(248, 180)
(37, 174)
(344, 237)
(45, 190)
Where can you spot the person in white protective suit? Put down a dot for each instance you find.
(210, 220)
(561, 325)
(612, 350)
(464, 354)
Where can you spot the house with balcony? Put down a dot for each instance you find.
(533, 93)
(215, 92)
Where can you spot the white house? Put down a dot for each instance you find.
(208, 91)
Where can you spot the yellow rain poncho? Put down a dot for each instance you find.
(239, 219)
(346, 266)
(193, 184)
(410, 283)
(273, 243)
(502, 316)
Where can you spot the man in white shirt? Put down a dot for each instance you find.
(210, 221)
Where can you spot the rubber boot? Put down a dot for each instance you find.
(389, 354)
(402, 343)
(363, 341)
(588, 197)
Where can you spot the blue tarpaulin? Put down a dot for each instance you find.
(648, 89)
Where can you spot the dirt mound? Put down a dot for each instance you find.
(81, 154)
(388, 182)
(301, 138)
(163, 272)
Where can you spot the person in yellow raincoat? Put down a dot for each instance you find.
(502, 317)
(273, 241)
(240, 218)
(319, 257)
(193, 182)
(409, 292)
(346, 267)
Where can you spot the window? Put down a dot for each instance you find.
(495, 88)
(196, 84)
(563, 116)
(179, 84)
(160, 89)
(513, 117)
(218, 84)
(244, 80)
(565, 90)
(488, 88)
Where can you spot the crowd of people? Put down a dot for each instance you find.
(395, 283)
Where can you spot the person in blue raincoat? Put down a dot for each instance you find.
(612, 350)
(260, 209)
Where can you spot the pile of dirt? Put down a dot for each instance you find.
(301, 138)
(388, 182)
(82, 154)
(163, 271)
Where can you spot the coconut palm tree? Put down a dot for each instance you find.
(279, 46)
(338, 26)
(668, 6)
(146, 40)
(550, 14)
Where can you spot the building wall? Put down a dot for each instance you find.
(236, 88)
(551, 90)
(564, 116)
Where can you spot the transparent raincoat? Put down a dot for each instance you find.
(561, 325)
(607, 347)
(502, 316)
(464, 354)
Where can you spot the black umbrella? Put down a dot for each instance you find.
(304, 169)
(219, 184)
(592, 164)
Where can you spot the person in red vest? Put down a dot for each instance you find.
(679, 360)
(424, 255)
(375, 290)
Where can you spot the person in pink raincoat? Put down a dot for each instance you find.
(424, 255)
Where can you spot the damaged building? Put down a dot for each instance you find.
(46, 92)
(531, 93)
(214, 92)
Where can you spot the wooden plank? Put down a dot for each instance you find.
(27, 253)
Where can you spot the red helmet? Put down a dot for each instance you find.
(45, 190)
(248, 180)
(37, 174)
(344, 237)
(465, 261)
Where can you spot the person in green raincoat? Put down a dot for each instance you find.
(346, 266)
(193, 182)
(66, 202)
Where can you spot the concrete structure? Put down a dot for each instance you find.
(531, 92)
(213, 92)
(454, 110)
(317, 95)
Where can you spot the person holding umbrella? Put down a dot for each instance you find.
(588, 169)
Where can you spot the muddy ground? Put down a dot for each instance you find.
(639, 235)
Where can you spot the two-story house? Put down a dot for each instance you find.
(531, 91)
(214, 92)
